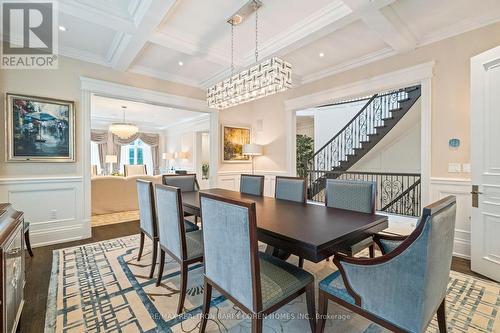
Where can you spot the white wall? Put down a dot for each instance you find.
(182, 138)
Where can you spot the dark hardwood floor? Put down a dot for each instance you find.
(38, 270)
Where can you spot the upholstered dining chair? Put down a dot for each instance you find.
(291, 189)
(354, 195)
(148, 220)
(402, 289)
(257, 283)
(252, 184)
(184, 247)
(187, 182)
(134, 170)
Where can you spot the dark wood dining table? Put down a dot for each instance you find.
(313, 232)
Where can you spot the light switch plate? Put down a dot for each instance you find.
(454, 167)
(466, 167)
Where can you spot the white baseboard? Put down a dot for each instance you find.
(59, 235)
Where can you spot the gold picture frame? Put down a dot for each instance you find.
(39, 129)
(233, 139)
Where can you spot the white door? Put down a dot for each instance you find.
(485, 160)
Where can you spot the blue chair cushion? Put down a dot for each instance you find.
(280, 279)
(389, 245)
(334, 285)
(190, 226)
(194, 244)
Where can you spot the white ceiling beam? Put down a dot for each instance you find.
(387, 24)
(93, 15)
(148, 17)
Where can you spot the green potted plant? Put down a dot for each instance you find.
(205, 167)
(305, 151)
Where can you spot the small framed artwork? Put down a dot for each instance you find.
(232, 144)
(39, 129)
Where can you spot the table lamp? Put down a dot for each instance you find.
(111, 159)
(252, 149)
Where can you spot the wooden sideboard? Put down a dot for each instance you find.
(12, 267)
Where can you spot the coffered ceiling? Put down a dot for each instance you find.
(188, 41)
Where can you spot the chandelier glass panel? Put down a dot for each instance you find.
(268, 77)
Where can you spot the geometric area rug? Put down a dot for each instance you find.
(101, 287)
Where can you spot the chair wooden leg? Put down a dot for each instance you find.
(160, 269)
(154, 257)
(206, 306)
(372, 251)
(441, 317)
(141, 247)
(183, 290)
(257, 324)
(301, 262)
(322, 312)
(27, 241)
(311, 307)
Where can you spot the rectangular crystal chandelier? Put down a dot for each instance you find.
(266, 78)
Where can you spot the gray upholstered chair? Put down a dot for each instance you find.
(354, 195)
(257, 283)
(252, 184)
(187, 183)
(402, 289)
(134, 170)
(148, 220)
(184, 247)
(291, 189)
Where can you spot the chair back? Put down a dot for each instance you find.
(252, 184)
(147, 209)
(355, 195)
(291, 189)
(134, 170)
(171, 231)
(187, 183)
(422, 263)
(93, 170)
(230, 248)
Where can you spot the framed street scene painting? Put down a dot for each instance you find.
(233, 140)
(39, 129)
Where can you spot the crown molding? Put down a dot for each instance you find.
(396, 79)
(83, 55)
(348, 65)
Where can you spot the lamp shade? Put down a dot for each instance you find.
(183, 155)
(252, 149)
(111, 159)
(167, 156)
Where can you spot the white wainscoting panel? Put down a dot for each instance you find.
(53, 206)
(230, 180)
(440, 188)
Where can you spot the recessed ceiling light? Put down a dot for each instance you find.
(321, 54)
(62, 28)
(181, 63)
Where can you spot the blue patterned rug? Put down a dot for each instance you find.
(101, 287)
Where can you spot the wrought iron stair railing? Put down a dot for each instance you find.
(375, 119)
(397, 193)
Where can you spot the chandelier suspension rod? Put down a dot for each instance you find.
(257, 34)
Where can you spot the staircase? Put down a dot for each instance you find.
(377, 117)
